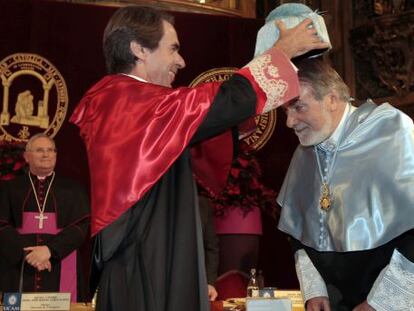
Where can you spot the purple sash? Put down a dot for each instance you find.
(68, 275)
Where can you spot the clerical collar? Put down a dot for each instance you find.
(332, 141)
(135, 77)
(42, 177)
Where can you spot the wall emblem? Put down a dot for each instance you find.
(34, 97)
(265, 123)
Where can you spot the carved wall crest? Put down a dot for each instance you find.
(265, 123)
(34, 97)
(384, 55)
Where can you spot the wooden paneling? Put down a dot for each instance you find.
(242, 8)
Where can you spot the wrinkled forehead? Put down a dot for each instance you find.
(305, 93)
(169, 31)
(41, 142)
(305, 89)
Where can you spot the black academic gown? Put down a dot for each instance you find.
(349, 276)
(71, 203)
(210, 239)
(152, 258)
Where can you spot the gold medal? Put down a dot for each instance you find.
(330, 149)
(325, 200)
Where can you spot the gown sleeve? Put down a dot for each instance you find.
(267, 82)
(76, 231)
(394, 287)
(264, 84)
(234, 103)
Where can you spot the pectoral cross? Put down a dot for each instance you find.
(41, 217)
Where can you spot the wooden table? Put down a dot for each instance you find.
(215, 306)
(81, 307)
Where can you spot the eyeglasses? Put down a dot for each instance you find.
(44, 150)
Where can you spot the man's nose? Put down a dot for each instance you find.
(180, 61)
(291, 119)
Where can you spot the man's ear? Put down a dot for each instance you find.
(138, 50)
(332, 101)
(25, 156)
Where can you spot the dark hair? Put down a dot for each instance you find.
(321, 78)
(132, 23)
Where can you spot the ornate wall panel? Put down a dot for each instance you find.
(243, 8)
(383, 47)
(384, 56)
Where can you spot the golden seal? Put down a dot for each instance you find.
(34, 97)
(325, 200)
(265, 123)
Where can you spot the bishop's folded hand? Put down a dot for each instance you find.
(38, 257)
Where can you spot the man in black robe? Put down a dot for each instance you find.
(44, 219)
(138, 133)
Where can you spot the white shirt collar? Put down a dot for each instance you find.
(135, 77)
(42, 177)
(334, 138)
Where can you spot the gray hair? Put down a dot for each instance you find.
(37, 136)
(322, 79)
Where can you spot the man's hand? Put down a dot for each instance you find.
(38, 257)
(318, 304)
(212, 293)
(363, 307)
(44, 266)
(299, 39)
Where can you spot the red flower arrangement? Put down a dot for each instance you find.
(12, 162)
(244, 189)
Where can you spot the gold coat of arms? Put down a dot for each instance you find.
(34, 97)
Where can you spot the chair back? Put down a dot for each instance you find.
(232, 284)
